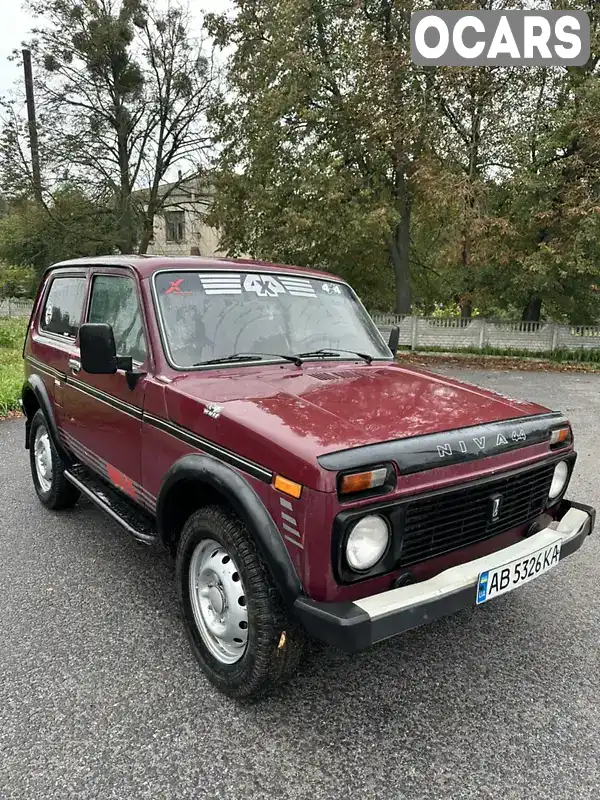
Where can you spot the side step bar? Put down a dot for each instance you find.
(127, 514)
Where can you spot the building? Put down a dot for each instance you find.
(181, 229)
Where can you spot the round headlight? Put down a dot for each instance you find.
(559, 479)
(367, 542)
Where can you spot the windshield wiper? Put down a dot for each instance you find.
(296, 358)
(334, 353)
(242, 357)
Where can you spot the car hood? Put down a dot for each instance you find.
(276, 415)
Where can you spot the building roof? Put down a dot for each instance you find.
(147, 265)
(199, 186)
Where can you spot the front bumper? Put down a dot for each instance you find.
(357, 625)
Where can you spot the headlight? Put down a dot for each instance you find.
(367, 542)
(559, 479)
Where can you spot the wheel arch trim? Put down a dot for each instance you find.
(247, 505)
(35, 384)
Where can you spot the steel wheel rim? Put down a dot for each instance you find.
(218, 601)
(43, 458)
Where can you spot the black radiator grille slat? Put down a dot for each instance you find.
(439, 524)
(517, 491)
(477, 492)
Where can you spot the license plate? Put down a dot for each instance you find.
(500, 580)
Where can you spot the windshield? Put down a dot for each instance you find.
(208, 315)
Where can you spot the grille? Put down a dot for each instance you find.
(439, 524)
(337, 376)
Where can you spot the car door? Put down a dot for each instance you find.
(53, 341)
(105, 418)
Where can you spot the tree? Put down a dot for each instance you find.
(17, 281)
(322, 134)
(337, 152)
(122, 90)
(551, 204)
(71, 225)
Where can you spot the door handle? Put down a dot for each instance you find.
(74, 365)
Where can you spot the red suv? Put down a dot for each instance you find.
(250, 418)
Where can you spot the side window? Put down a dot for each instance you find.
(114, 300)
(63, 307)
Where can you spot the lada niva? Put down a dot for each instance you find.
(250, 418)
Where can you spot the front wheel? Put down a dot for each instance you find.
(240, 632)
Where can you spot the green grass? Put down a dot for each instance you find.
(12, 334)
(590, 357)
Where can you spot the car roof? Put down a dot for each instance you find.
(147, 265)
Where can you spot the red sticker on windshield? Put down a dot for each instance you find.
(175, 287)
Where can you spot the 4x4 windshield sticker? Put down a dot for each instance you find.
(260, 285)
(300, 287)
(221, 283)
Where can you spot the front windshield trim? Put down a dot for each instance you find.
(258, 361)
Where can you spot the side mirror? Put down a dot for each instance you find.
(97, 348)
(394, 340)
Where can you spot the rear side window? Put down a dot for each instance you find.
(115, 301)
(64, 305)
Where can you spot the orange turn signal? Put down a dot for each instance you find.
(287, 486)
(560, 436)
(362, 481)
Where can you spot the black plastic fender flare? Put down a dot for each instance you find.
(246, 504)
(38, 387)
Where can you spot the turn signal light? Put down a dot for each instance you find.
(362, 481)
(287, 486)
(560, 436)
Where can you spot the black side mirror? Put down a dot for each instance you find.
(394, 340)
(98, 350)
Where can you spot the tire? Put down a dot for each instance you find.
(218, 570)
(47, 468)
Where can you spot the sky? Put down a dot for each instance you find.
(16, 24)
(14, 29)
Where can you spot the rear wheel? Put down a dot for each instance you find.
(47, 468)
(241, 634)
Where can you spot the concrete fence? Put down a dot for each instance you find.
(15, 307)
(456, 333)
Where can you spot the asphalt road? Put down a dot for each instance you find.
(100, 696)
